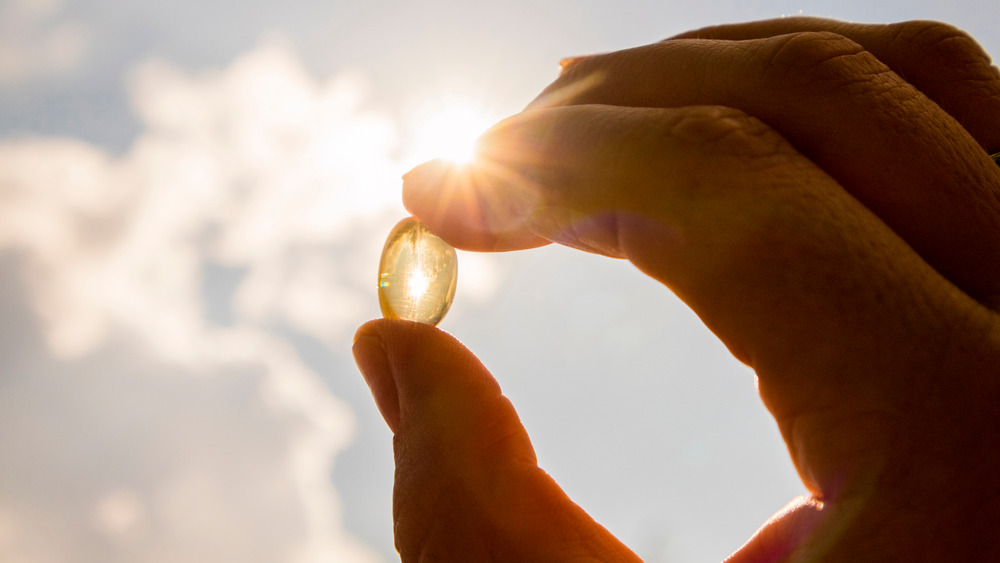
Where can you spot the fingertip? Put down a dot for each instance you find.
(424, 179)
(398, 335)
(425, 189)
(470, 206)
(784, 534)
(370, 328)
(446, 396)
(371, 359)
(406, 364)
(398, 360)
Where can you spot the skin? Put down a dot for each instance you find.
(821, 195)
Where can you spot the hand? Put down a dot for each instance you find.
(821, 195)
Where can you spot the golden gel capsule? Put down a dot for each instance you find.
(417, 274)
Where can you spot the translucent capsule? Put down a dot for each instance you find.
(417, 274)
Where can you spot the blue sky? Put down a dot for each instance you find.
(195, 194)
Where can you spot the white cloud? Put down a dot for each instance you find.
(256, 167)
(34, 42)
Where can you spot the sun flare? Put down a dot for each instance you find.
(417, 284)
(450, 133)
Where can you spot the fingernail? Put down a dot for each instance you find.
(370, 356)
(568, 62)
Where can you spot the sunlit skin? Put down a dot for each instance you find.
(821, 195)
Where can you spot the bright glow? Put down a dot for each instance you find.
(119, 513)
(450, 133)
(417, 284)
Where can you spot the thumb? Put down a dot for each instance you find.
(467, 485)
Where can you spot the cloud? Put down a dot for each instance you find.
(115, 457)
(35, 42)
(213, 440)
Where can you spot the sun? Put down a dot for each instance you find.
(449, 132)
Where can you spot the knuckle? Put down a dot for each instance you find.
(811, 49)
(820, 61)
(718, 130)
(953, 69)
(937, 43)
(739, 162)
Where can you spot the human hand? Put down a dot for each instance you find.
(821, 195)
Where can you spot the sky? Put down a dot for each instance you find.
(193, 198)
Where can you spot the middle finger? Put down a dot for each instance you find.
(896, 151)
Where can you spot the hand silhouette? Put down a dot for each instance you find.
(821, 194)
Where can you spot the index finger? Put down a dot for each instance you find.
(842, 321)
(901, 154)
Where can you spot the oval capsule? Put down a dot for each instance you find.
(418, 273)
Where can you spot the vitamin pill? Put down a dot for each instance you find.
(417, 274)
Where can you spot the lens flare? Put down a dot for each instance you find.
(450, 133)
(417, 284)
